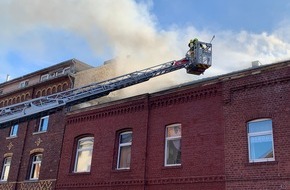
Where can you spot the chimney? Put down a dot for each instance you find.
(7, 77)
(256, 64)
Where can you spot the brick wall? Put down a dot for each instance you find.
(197, 109)
(258, 95)
(29, 141)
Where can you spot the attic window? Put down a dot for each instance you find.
(23, 84)
(44, 77)
(66, 70)
(1, 91)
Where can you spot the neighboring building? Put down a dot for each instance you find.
(226, 132)
(34, 144)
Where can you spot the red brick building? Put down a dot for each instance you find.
(257, 116)
(29, 145)
(226, 132)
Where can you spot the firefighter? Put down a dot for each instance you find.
(192, 46)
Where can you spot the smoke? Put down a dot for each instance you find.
(128, 31)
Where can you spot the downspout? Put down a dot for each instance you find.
(146, 144)
(61, 147)
(21, 157)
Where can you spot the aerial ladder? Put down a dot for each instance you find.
(195, 62)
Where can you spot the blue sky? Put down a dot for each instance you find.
(38, 34)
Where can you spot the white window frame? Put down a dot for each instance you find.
(6, 169)
(14, 130)
(44, 77)
(34, 164)
(170, 139)
(40, 127)
(127, 144)
(78, 150)
(66, 70)
(23, 84)
(255, 134)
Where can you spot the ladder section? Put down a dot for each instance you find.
(28, 109)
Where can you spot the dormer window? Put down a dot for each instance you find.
(44, 77)
(66, 70)
(23, 84)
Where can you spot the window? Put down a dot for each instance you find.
(66, 70)
(260, 140)
(35, 167)
(14, 130)
(124, 151)
(43, 124)
(23, 84)
(44, 77)
(1, 91)
(172, 145)
(84, 155)
(5, 169)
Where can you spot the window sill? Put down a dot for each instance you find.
(38, 132)
(31, 181)
(172, 167)
(79, 173)
(273, 162)
(11, 137)
(121, 170)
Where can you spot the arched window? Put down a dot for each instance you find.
(260, 140)
(65, 86)
(124, 150)
(35, 166)
(84, 151)
(173, 145)
(53, 89)
(6, 168)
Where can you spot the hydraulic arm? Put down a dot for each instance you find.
(196, 64)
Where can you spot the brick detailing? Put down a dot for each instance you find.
(159, 181)
(102, 184)
(107, 113)
(43, 185)
(7, 186)
(10, 145)
(36, 150)
(15, 99)
(183, 180)
(184, 97)
(251, 86)
(8, 155)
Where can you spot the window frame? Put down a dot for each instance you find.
(171, 139)
(23, 84)
(35, 162)
(12, 130)
(260, 133)
(40, 126)
(66, 70)
(44, 77)
(4, 169)
(120, 145)
(78, 150)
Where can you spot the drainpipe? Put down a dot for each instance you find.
(146, 144)
(21, 158)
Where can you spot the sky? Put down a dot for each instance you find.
(38, 34)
